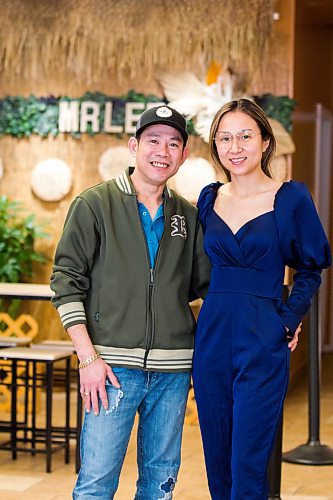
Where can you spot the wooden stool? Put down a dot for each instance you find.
(49, 436)
(75, 432)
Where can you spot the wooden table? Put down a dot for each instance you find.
(38, 291)
(6, 341)
(28, 291)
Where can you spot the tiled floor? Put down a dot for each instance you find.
(25, 478)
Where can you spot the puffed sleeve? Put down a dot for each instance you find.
(304, 248)
(206, 202)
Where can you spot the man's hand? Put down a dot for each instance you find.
(94, 375)
(92, 384)
(294, 341)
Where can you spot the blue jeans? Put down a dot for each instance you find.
(160, 399)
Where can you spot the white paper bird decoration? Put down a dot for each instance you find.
(193, 98)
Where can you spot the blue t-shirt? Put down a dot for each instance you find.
(153, 229)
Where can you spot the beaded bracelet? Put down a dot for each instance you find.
(89, 360)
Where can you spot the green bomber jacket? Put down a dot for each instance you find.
(136, 317)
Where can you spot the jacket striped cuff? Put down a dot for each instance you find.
(72, 313)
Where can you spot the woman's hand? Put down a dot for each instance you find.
(294, 341)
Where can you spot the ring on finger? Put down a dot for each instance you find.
(86, 393)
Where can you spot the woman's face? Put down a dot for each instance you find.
(239, 143)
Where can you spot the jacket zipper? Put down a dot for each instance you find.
(149, 330)
(150, 327)
(151, 296)
(150, 315)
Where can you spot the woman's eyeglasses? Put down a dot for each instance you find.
(226, 140)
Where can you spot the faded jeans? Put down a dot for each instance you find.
(160, 399)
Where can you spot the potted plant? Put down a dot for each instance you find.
(18, 233)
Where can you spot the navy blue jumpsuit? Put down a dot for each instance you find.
(241, 356)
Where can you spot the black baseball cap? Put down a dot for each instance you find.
(165, 116)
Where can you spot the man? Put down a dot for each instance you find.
(129, 260)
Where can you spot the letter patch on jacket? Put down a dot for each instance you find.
(178, 226)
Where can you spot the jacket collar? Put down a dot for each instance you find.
(125, 184)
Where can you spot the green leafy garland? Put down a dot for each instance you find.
(278, 107)
(21, 117)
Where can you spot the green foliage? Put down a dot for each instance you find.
(278, 107)
(21, 117)
(17, 235)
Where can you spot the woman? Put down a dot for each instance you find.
(254, 227)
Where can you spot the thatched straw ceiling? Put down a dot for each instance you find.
(126, 38)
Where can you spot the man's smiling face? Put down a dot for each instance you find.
(159, 153)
